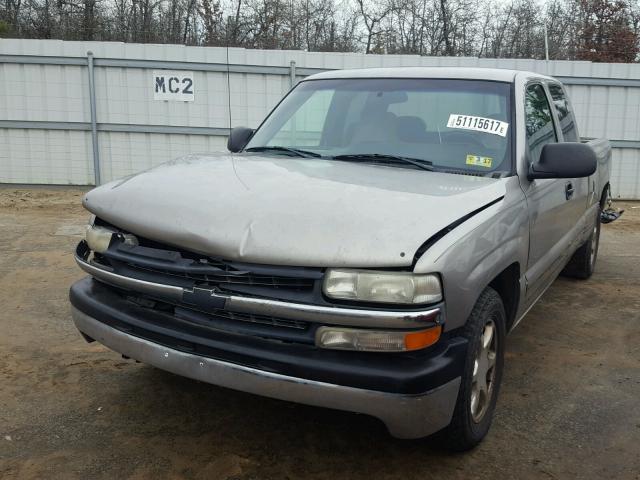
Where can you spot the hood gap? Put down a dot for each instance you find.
(441, 233)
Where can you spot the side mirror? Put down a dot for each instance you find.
(238, 138)
(564, 160)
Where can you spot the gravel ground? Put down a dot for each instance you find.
(569, 406)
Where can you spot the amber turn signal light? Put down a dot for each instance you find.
(422, 339)
(365, 340)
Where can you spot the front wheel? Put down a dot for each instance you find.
(485, 331)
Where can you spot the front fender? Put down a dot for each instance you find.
(472, 255)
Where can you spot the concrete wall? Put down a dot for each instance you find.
(45, 103)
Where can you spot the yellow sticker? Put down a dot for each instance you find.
(479, 161)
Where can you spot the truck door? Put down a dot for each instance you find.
(582, 187)
(552, 207)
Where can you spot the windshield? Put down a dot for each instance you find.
(457, 125)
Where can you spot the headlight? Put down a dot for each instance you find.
(98, 238)
(383, 287)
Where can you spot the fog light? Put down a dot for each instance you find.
(375, 340)
(98, 238)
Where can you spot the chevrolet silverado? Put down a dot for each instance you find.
(366, 248)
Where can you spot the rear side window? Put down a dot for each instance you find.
(565, 115)
(538, 121)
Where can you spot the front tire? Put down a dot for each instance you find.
(485, 330)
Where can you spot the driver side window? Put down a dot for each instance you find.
(304, 128)
(538, 121)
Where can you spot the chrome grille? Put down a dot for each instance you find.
(237, 278)
(260, 319)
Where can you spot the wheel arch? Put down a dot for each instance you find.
(507, 284)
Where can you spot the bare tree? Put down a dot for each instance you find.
(211, 17)
(599, 30)
(372, 16)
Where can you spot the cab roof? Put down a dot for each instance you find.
(462, 73)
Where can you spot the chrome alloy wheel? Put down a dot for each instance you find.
(484, 372)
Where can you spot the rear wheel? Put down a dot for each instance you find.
(485, 330)
(583, 261)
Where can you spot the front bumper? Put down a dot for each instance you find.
(405, 415)
(155, 306)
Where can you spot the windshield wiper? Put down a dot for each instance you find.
(296, 151)
(386, 159)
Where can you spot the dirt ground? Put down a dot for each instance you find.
(569, 406)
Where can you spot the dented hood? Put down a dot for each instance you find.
(291, 211)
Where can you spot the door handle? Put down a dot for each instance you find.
(568, 190)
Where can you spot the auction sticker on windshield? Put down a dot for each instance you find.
(478, 124)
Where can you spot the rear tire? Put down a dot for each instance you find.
(583, 262)
(485, 330)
